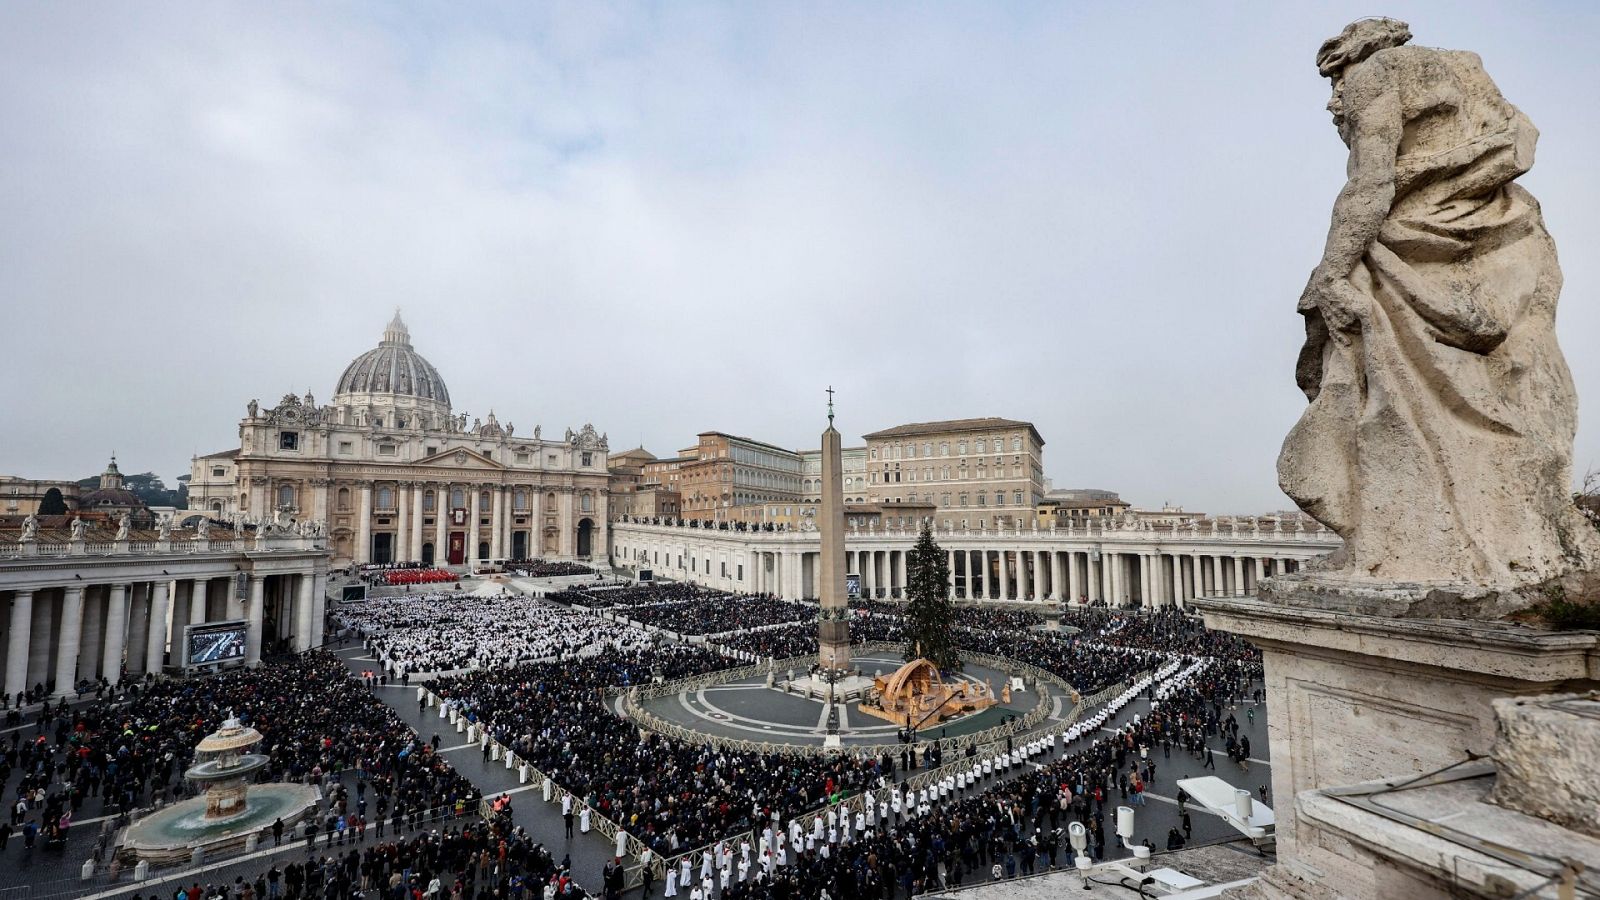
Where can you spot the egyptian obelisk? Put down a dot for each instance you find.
(833, 630)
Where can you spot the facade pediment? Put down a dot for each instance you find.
(459, 458)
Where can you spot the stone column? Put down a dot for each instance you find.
(905, 575)
(182, 597)
(254, 610)
(417, 489)
(67, 643)
(155, 647)
(983, 574)
(94, 621)
(403, 551)
(1218, 578)
(197, 601)
(1022, 589)
(319, 602)
(1092, 569)
(497, 522)
(474, 518)
(1005, 574)
(1074, 583)
(1177, 581)
(1238, 576)
(441, 524)
(41, 645)
(1114, 573)
(1143, 560)
(18, 643)
(363, 548)
(1057, 578)
(568, 546)
(304, 608)
(138, 626)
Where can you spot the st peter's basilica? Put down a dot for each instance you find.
(397, 475)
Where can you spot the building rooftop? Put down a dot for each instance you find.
(987, 423)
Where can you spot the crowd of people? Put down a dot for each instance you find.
(717, 612)
(671, 794)
(316, 722)
(398, 577)
(448, 632)
(546, 568)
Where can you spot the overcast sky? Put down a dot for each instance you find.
(670, 218)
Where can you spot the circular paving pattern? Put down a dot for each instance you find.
(747, 709)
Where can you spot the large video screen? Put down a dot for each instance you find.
(214, 643)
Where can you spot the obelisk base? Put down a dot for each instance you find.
(833, 650)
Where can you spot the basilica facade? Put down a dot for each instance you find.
(396, 475)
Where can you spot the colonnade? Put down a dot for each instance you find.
(1026, 566)
(460, 523)
(59, 634)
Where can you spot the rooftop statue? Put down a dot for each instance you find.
(1438, 440)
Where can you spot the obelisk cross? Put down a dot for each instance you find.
(830, 404)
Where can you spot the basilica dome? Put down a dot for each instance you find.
(391, 371)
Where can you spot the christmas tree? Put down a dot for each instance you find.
(930, 617)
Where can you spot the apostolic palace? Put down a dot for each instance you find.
(397, 475)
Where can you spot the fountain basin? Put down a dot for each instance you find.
(171, 835)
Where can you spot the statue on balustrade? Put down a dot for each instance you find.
(79, 526)
(30, 528)
(1438, 439)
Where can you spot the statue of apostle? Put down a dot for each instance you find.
(1438, 441)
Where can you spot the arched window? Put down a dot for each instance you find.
(286, 495)
(427, 501)
(344, 498)
(385, 497)
(458, 498)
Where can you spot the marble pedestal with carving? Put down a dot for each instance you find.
(1356, 696)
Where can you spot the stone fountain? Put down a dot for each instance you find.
(230, 809)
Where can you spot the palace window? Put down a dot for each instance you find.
(346, 448)
(522, 458)
(286, 495)
(427, 501)
(963, 498)
(961, 448)
(288, 440)
(944, 499)
(927, 448)
(980, 445)
(588, 458)
(1016, 444)
(1019, 498)
(999, 498)
(983, 499)
(429, 451)
(216, 472)
(387, 449)
(944, 448)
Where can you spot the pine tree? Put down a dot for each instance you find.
(52, 503)
(930, 617)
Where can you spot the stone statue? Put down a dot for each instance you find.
(164, 528)
(79, 527)
(253, 407)
(124, 526)
(30, 528)
(1438, 440)
(202, 528)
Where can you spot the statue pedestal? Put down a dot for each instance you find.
(1356, 696)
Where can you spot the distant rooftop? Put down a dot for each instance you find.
(987, 423)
